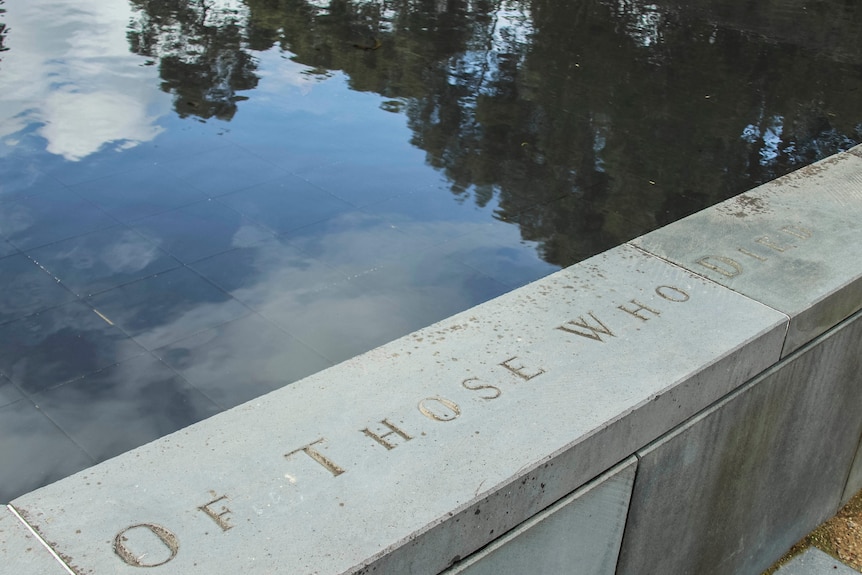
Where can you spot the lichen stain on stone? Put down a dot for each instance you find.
(743, 206)
(811, 170)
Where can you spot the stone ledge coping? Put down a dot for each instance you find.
(416, 454)
(792, 244)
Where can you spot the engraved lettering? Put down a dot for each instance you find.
(748, 253)
(215, 516)
(381, 438)
(801, 233)
(725, 266)
(494, 391)
(671, 293)
(330, 465)
(521, 370)
(640, 307)
(594, 330)
(430, 410)
(765, 241)
(168, 539)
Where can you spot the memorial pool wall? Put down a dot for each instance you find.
(688, 402)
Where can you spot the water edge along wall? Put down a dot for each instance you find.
(688, 402)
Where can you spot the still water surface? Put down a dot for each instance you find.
(204, 200)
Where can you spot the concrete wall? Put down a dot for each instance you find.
(685, 403)
(736, 486)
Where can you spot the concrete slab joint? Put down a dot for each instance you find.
(21, 551)
(791, 244)
(486, 429)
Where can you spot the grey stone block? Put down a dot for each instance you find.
(21, 553)
(422, 451)
(579, 535)
(792, 244)
(813, 561)
(731, 490)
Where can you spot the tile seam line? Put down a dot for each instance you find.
(39, 538)
(712, 281)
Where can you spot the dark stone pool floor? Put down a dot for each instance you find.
(142, 296)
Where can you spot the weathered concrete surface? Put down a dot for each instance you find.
(735, 487)
(21, 553)
(422, 451)
(792, 244)
(815, 562)
(581, 533)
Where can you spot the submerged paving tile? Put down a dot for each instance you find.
(581, 533)
(366, 184)
(8, 392)
(352, 133)
(435, 215)
(724, 492)
(34, 451)
(161, 309)
(431, 286)
(444, 213)
(267, 272)
(241, 360)
(48, 217)
(253, 131)
(25, 288)
(102, 260)
(502, 254)
(21, 553)
(296, 138)
(175, 139)
(201, 229)
(355, 242)
(124, 406)
(138, 193)
(224, 170)
(48, 348)
(286, 204)
(349, 317)
(790, 244)
(7, 249)
(183, 138)
(440, 440)
(106, 162)
(21, 179)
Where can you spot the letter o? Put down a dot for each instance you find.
(453, 413)
(165, 536)
(733, 269)
(681, 295)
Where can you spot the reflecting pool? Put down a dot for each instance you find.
(204, 200)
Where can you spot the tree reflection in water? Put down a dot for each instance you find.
(590, 122)
(201, 51)
(3, 30)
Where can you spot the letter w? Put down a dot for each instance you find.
(594, 330)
